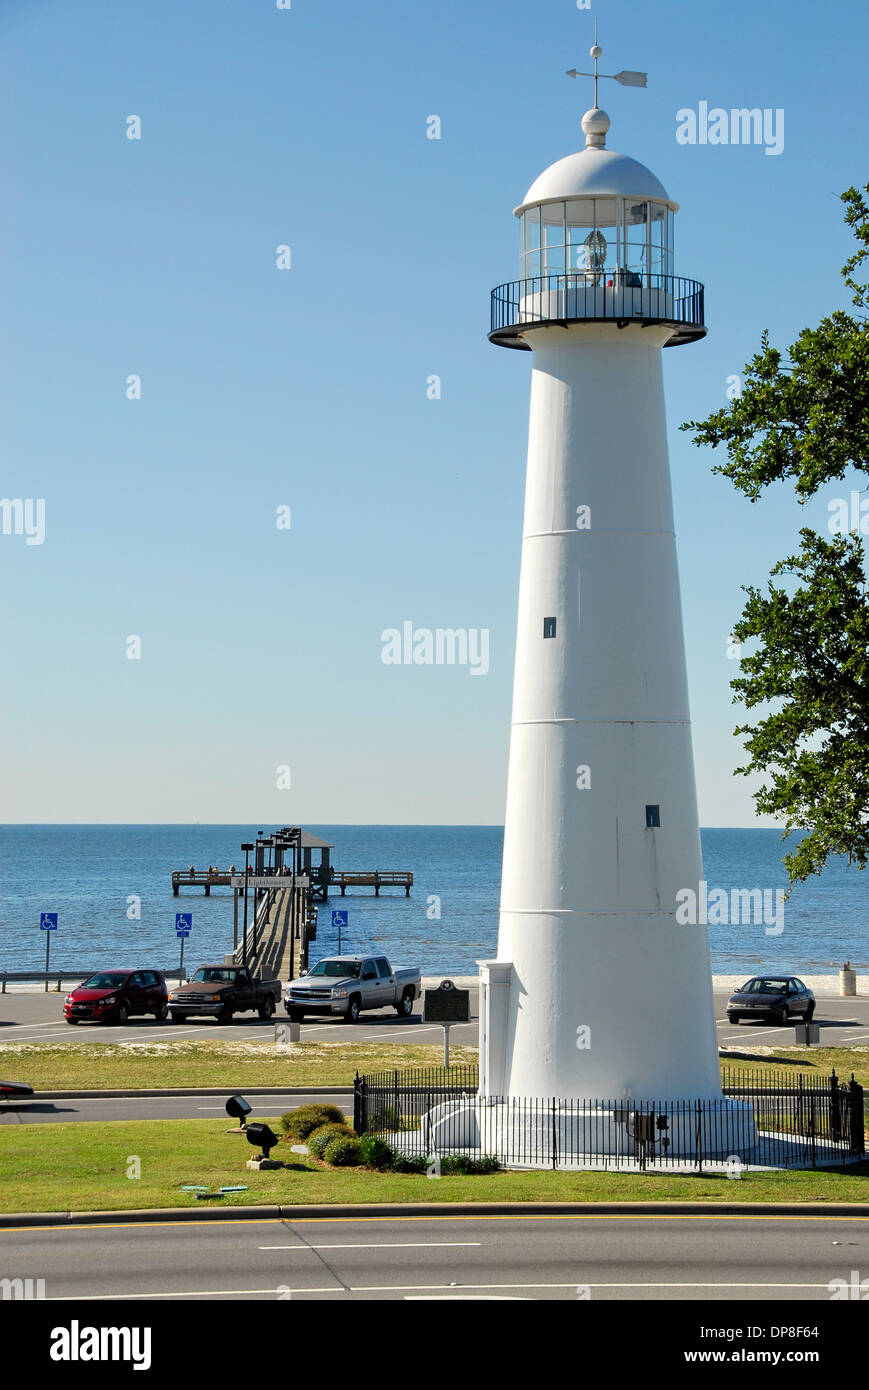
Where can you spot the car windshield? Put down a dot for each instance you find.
(764, 986)
(212, 974)
(342, 969)
(107, 981)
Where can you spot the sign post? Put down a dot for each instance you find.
(183, 923)
(48, 924)
(339, 920)
(446, 1005)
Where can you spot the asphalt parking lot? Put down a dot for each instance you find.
(31, 1016)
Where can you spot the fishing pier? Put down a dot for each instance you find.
(322, 876)
(274, 909)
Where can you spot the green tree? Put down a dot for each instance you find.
(803, 417)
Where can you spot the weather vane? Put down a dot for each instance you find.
(627, 79)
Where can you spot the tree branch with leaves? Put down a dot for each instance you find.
(803, 417)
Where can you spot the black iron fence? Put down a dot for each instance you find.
(763, 1120)
(584, 296)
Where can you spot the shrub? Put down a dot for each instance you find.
(342, 1151)
(374, 1152)
(409, 1163)
(298, 1124)
(321, 1137)
(465, 1166)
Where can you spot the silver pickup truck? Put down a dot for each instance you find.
(347, 985)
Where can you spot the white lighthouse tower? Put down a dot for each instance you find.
(597, 991)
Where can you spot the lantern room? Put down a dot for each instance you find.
(608, 235)
(596, 242)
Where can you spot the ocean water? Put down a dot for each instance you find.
(89, 873)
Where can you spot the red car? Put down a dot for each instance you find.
(111, 996)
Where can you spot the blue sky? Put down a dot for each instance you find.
(306, 387)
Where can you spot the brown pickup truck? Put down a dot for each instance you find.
(222, 991)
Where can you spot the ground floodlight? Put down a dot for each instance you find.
(263, 1136)
(237, 1108)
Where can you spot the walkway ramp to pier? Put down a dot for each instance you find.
(277, 956)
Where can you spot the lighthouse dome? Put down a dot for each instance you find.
(595, 173)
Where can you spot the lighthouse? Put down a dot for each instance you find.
(598, 992)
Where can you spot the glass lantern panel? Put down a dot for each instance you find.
(660, 239)
(592, 234)
(553, 231)
(659, 262)
(531, 243)
(636, 257)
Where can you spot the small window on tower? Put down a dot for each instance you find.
(548, 627)
(653, 816)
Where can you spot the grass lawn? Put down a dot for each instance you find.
(134, 1066)
(84, 1168)
(813, 1061)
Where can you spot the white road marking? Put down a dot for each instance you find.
(381, 1245)
(422, 1288)
(423, 1028)
(191, 1293)
(55, 1023)
(755, 1033)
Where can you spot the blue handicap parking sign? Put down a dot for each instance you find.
(339, 918)
(48, 921)
(183, 923)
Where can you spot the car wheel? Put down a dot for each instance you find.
(733, 1018)
(783, 1015)
(72, 1021)
(266, 1010)
(295, 1015)
(162, 1013)
(227, 1017)
(179, 1018)
(123, 1013)
(810, 1013)
(404, 1008)
(352, 1014)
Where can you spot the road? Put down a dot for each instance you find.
(104, 1111)
(655, 1257)
(28, 1016)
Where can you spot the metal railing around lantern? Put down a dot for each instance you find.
(588, 296)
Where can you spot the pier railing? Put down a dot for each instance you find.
(784, 1122)
(371, 878)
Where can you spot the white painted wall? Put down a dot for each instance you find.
(588, 894)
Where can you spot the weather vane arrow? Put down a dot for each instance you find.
(625, 77)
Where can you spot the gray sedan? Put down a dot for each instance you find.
(771, 997)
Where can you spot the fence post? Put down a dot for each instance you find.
(857, 1136)
(698, 1135)
(554, 1135)
(835, 1108)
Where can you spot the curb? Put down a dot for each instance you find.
(434, 1209)
(180, 1091)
